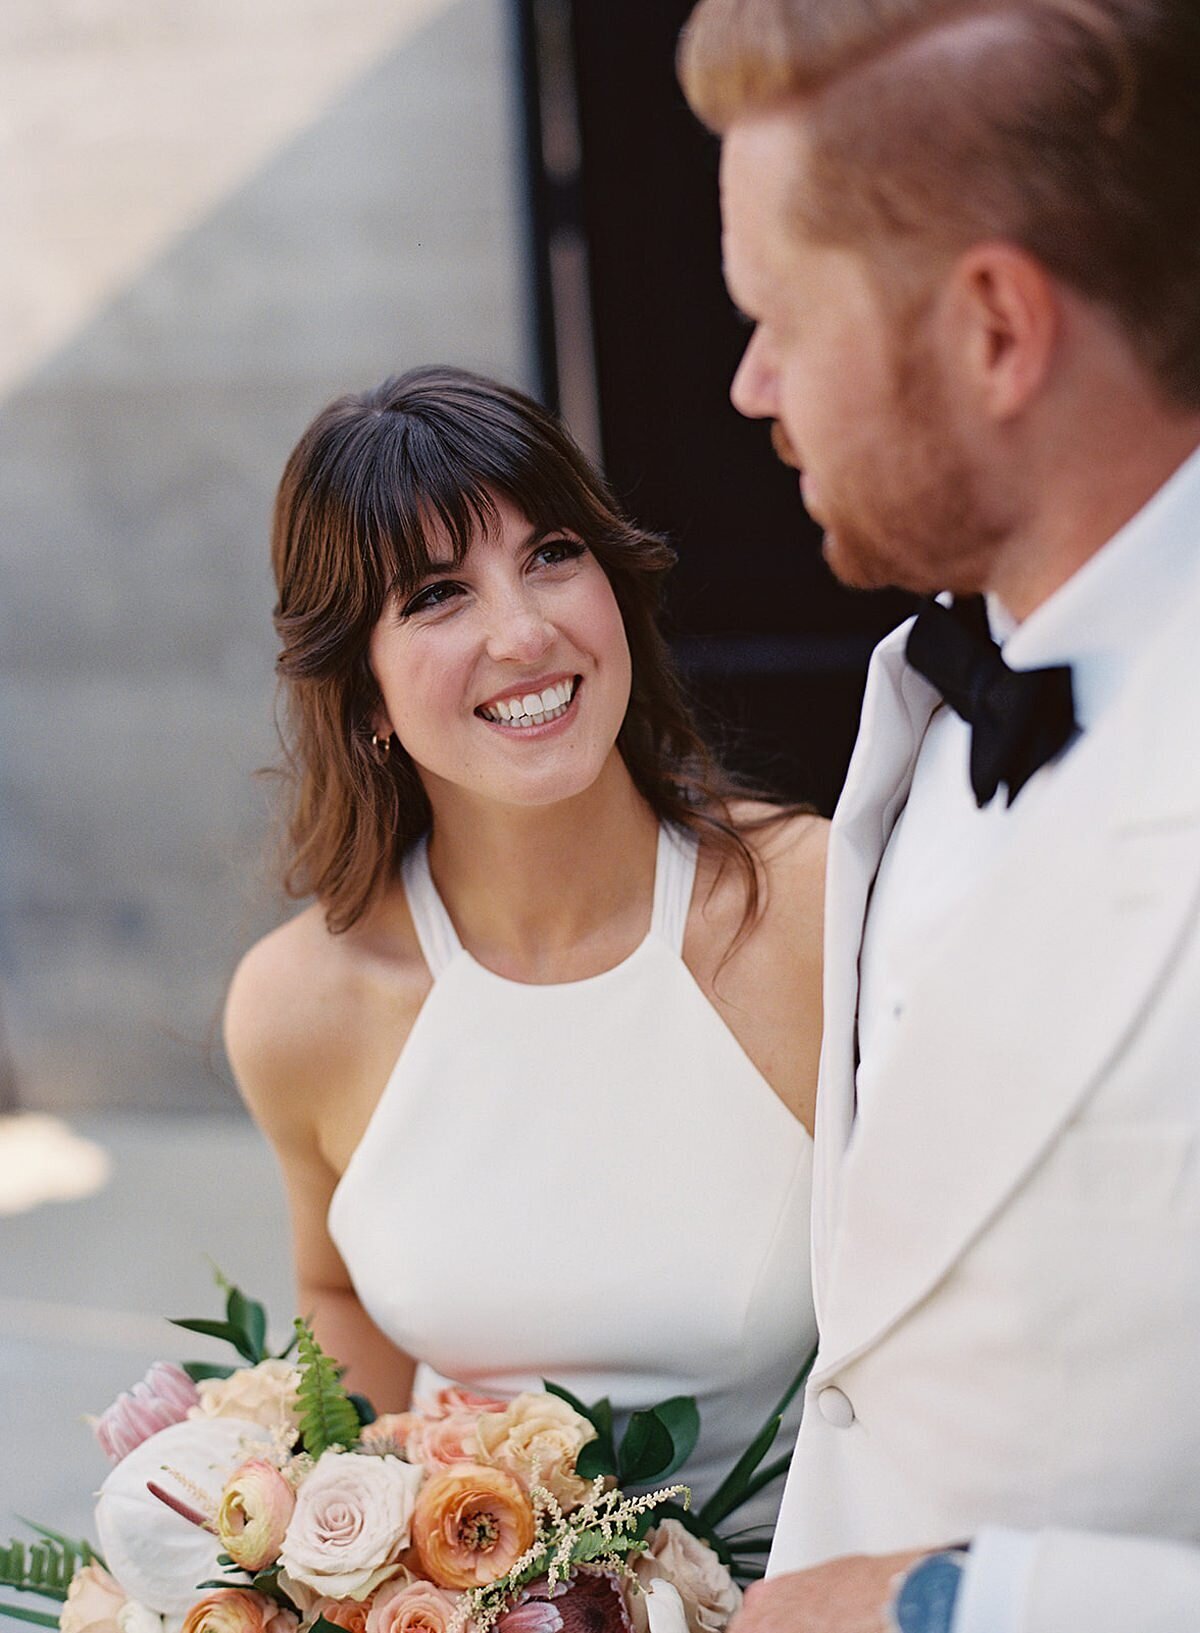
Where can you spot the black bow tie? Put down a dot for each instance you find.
(1019, 718)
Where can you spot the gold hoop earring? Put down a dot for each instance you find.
(381, 745)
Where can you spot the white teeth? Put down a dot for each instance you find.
(534, 709)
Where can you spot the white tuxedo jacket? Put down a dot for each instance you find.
(1007, 1251)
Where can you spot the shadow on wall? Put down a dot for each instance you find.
(135, 641)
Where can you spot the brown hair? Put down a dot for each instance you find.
(1065, 126)
(372, 476)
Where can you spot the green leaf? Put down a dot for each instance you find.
(646, 1448)
(223, 1330)
(38, 1617)
(197, 1371)
(603, 1460)
(680, 1417)
(591, 1545)
(572, 1401)
(324, 1625)
(79, 1545)
(327, 1417)
(602, 1420)
(772, 1471)
(45, 1567)
(249, 1317)
(797, 1383)
(732, 1490)
(362, 1406)
(595, 1458)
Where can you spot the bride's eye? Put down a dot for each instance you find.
(556, 551)
(431, 597)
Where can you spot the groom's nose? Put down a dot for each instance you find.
(755, 388)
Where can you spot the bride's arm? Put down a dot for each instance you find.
(279, 1047)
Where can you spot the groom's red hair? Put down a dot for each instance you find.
(1065, 126)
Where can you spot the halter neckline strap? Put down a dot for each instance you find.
(674, 874)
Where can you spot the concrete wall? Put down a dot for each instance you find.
(225, 215)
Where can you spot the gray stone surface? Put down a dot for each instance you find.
(136, 472)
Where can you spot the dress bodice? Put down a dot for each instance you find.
(590, 1183)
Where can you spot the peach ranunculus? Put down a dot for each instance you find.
(350, 1614)
(351, 1523)
(440, 1443)
(454, 1398)
(264, 1394)
(93, 1600)
(253, 1516)
(470, 1526)
(388, 1434)
(710, 1595)
(536, 1439)
(411, 1607)
(238, 1610)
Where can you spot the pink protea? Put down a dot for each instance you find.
(165, 1396)
(593, 1603)
(535, 1616)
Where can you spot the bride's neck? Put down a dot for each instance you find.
(536, 891)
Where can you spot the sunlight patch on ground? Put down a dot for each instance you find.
(42, 1160)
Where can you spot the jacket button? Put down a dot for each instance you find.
(835, 1407)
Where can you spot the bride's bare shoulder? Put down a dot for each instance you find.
(789, 849)
(306, 1005)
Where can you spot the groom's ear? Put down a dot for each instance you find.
(1006, 313)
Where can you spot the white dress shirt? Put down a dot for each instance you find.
(1099, 622)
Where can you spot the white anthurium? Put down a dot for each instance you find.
(157, 1555)
(664, 1608)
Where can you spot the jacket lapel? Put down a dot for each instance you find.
(897, 705)
(1013, 1016)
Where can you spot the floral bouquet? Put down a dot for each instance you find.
(263, 1498)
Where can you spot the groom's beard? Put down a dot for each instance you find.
(908, 505)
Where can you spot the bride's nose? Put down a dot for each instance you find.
(518, 628)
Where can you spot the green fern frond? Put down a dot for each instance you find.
(44, 1567)
(327, 1415)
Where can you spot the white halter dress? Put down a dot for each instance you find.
(590, 1183)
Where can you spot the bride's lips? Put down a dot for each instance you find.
(497, 714)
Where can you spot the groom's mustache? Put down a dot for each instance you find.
(783, 447)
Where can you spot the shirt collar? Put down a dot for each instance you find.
(1106, 613)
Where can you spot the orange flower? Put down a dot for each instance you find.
(470, 1526)
(238, 1610)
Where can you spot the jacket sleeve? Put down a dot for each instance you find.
(1049, 1581)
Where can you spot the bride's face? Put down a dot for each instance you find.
(506, 676)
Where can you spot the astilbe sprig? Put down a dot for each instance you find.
(603, 1531)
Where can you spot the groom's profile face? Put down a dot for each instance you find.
(851, 379)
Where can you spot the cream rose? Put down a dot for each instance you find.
(264, 1394)
(351, 1523)
(536, 1439)
(93, 1602)
(710, 1595)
